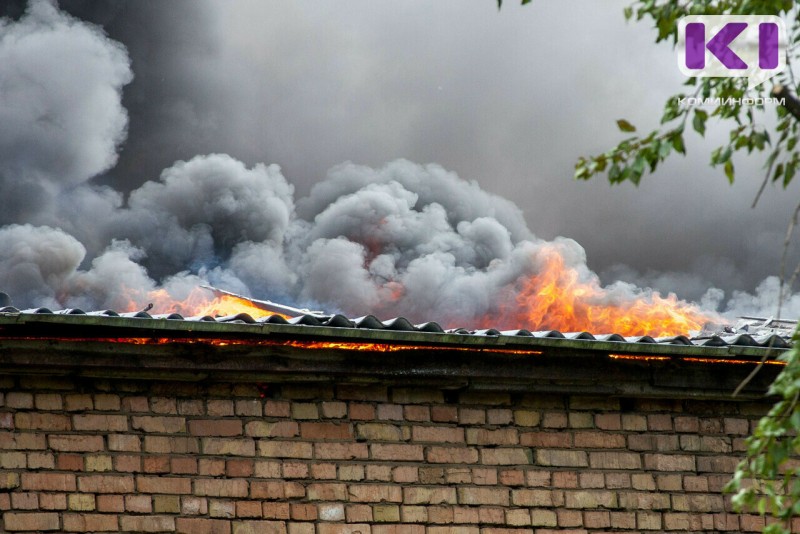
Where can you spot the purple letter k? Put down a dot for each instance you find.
(718, 45)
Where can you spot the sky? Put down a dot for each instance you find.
(508, 99)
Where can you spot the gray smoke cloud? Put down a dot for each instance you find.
(393, 239)
(60, 109)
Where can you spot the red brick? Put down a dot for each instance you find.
(623, 520)
(499, 416)
(48, 401)
(158, 424)
(110, 503)
(571, 518)
(147, 523)
(326, 492)
(276, 490)
(362, 412)
(164, 405)
(303, 512)
(483, 496)
(444, 414)
(501, 436)
(326, 430)
(416, 413)
(215, 427)
(591, 480)
(19, 400)
(107, 402)
(555, 420)
(156, 464)
(133, 404)
(26, 441)
(324, 471)
(6, 421)
(565, 479)
(169, 485)
(249, 509)
(106, 484)
(506, 456)
(546, 439)
(275, 510)
(397, 453)
(14, 521)
(374, 493)
(69, 462)
(124, 442)
(686, 424)
(441, 514)
(608, 421)
(191, 407)
(438, 434)
(127, 463)
(40, 421)
(102, 423)
(229, 446)
(615, 460)
(48, 481)
(390, 411)
(405, 474)
(90, 523)
(239, 468)
(267, 469)
(659, 422)
(194, 505)
(211, 467)
(76, 443)
(279, 429)
(295, 470)
(142, 504)
(273, 408)
(452, 455)
(183, 465)
(429, 495)
(24, 501)
(596, 519)
(599, 440)
(285, 449)
(670, 462)
(52, 501)
(736, 427)
(187, 525)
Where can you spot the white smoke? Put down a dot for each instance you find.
(403, 239)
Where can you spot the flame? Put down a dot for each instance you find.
(350, 346)
(200, 302)
(557, 297)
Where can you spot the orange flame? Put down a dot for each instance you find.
(201, 302)
(556, 298)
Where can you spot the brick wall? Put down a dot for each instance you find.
(152, 456)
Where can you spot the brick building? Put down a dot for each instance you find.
(233, 426)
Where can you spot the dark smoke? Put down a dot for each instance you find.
(393, 239)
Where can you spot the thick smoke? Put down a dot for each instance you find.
(402, 239)
(60, 109)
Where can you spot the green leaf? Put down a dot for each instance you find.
(625, 126)
(729, 170)
(677, 144)
(628, 12)
(699, 121)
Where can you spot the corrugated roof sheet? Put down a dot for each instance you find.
(763, 338)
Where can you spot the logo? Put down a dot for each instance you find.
(752, 46)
